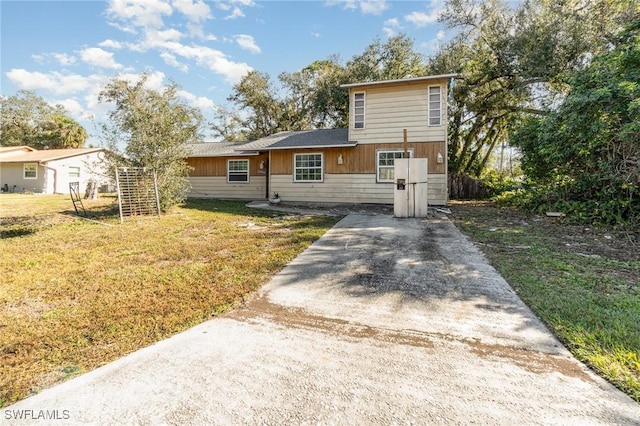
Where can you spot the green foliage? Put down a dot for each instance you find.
(497, 183)
(584, 283)
(585, 156)
(312, 97)
(27, 119)
(513, 62)
(156, 127)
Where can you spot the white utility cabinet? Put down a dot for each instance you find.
(410, 187)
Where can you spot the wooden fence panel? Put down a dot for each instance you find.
(463, 187)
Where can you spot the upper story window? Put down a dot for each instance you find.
(435, 106)
(237, 171)
(385, 163)
(31, 170)
(358, 110)
(307, 167)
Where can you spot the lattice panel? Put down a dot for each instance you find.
(137, 192)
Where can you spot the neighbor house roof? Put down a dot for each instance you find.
(318, 138)
(403, 81)
(23, 148)
(44, 155)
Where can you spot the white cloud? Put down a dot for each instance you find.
(440, 35)
(200, 102)
(213, 59)
(194, 11)
(64, 59)
(315, 34)
(54, 82)
(155, 80)
(391, 27)
(421, 19)
(110, 44)
(367, 7)
(39, 58)
(98, 57)
(373, 7)
(347, 4)
(223, 6)
(171, 60)
(245, 3)
(72, 106)
(155, 38)
(237, 13)
(247, 42)
(139, 13)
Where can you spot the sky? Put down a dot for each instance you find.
(67, 51)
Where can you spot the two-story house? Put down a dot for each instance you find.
(353, 165)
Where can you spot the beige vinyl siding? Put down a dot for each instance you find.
(389, 110)
(350, 188)
(217, 187)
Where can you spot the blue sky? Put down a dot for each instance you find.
(66, 51)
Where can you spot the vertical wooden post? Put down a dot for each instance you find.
(406, 145)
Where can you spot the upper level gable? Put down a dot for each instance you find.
(380, 111)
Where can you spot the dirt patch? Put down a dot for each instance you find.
(588, 241)
(261, 309)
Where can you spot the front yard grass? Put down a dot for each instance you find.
(77, 294)
(584, 283)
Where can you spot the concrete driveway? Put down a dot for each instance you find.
(381, 321)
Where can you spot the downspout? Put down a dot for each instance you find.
(55, 175)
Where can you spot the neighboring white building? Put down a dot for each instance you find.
(48, 171)
(353, 165)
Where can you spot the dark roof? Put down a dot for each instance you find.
(215, 149)
(321, 138)
(318, 138)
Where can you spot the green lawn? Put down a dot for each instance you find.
(77, 294)
(583, 283)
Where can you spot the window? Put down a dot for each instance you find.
(74, 172)
(31, 171)
(385, 163)
(307, 168)
(358, 111)
(238, 171)
(435, 106)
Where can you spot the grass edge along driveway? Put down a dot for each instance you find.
(582, 282)
(76, 294)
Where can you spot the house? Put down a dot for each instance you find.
(353, 165)
(47, 171)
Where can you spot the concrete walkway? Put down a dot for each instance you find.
(381, 321)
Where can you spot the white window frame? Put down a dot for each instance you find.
(358, 124)
(388, 166)
(74, 172)
(435, 114)
(237, 172)
(296, 167)
(35, 170)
